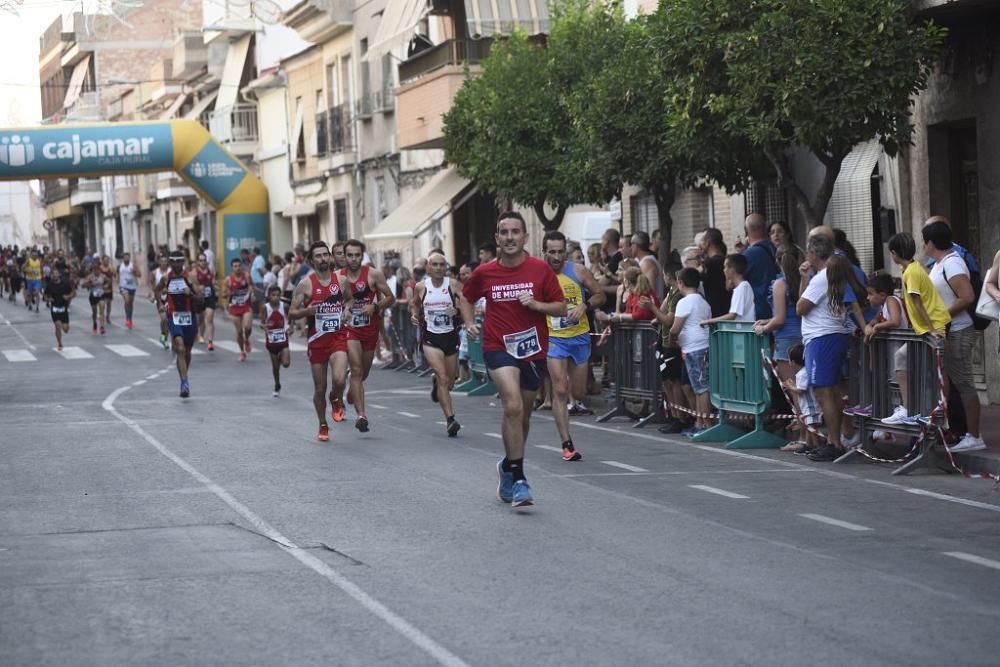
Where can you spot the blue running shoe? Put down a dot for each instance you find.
(505, 487)
(522, 494)
(185, 389)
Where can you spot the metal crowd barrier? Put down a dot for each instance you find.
(479, 384)
(401, 336)
(636, 372)
(739, 382)
(876, 382)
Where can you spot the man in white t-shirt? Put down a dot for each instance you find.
(826, 336)
(741, 304)
(693, 339)
(952, 281)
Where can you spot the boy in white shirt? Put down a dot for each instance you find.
(741, 305)
(692, 338)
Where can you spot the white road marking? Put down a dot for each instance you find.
(375, 405)
(228, 345)
(127, 351)
(138, 383)
(798, 466)
(73, 352)
(494, 435)
(408, 414)
(436, 651)
(158, 344)
(623, 466)
(970, 558)
(718, 492)
(19, 334)
(836, 522)
(550, 448)
(19, 355)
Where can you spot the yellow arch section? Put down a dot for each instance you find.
(182, 146)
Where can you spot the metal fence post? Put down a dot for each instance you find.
(636, 373)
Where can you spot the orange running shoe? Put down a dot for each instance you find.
(337, 410)
(324, 433)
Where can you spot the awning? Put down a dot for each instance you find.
(399, 20)
(232, 72)
(76, 82)
(850, 207)
(171, 111)
(195, 112)
(489, 18)
(408, 220)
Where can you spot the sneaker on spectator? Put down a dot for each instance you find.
(883, 436)
(969, 443)
(859, 411)
(580, 410)
(691, 432)
(824, 453)
(898, 416)
(852, 442)
(673, 426)
(916, 420)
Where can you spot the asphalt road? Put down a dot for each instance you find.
(137, 528)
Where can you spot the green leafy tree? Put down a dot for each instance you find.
(824, 75)
(507, 131)
(619, 113)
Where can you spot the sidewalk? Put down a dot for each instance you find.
(987, 460)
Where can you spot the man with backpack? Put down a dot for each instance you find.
(953, 281)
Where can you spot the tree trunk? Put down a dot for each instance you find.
(664, 195)
(549, 224)
(812, 210)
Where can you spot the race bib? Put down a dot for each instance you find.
(276, 336)
(559, 323)
(182, 319)
(58, 309)
(327, 322)
(206, 291)
(239, 299)
(359, 319)
(97, 291)
(439, 318)
(523, 344)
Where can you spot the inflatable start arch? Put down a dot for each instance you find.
(183, 146)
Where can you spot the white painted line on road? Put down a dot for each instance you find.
(376, 406)
(836, 522)
(623, 466)
(971, 558)
(19, 334)
(19, 355)
(408, 414)
(127, 351)
(228, 345)
(718, 492)
(195, 350)
(797, 466)
(494, 435)
(138, 383)
(436, 651)
(73, 352)
(153, 376)
(158, 344)
(550, 448)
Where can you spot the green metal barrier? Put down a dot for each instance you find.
(479, 384)
(739, 383)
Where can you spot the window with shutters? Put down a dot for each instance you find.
(643, 216)
(340, 219)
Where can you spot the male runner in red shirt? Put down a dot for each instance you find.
(520, 291)
(239, 291)
(325, 299)
(364, 323)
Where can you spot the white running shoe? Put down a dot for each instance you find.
(969, 443)
(898, 416)
(852, 442)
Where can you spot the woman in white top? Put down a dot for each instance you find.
(433, 309)
(128, 283)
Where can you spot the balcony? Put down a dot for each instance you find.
(126, 189)
(190, 55)
(335, 138)
(53, 190)
(235, 127)
(85, 108)
(428, 84)
(448, 53)
(319, 21)
(86, 191)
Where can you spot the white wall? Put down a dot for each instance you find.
(17, 213)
